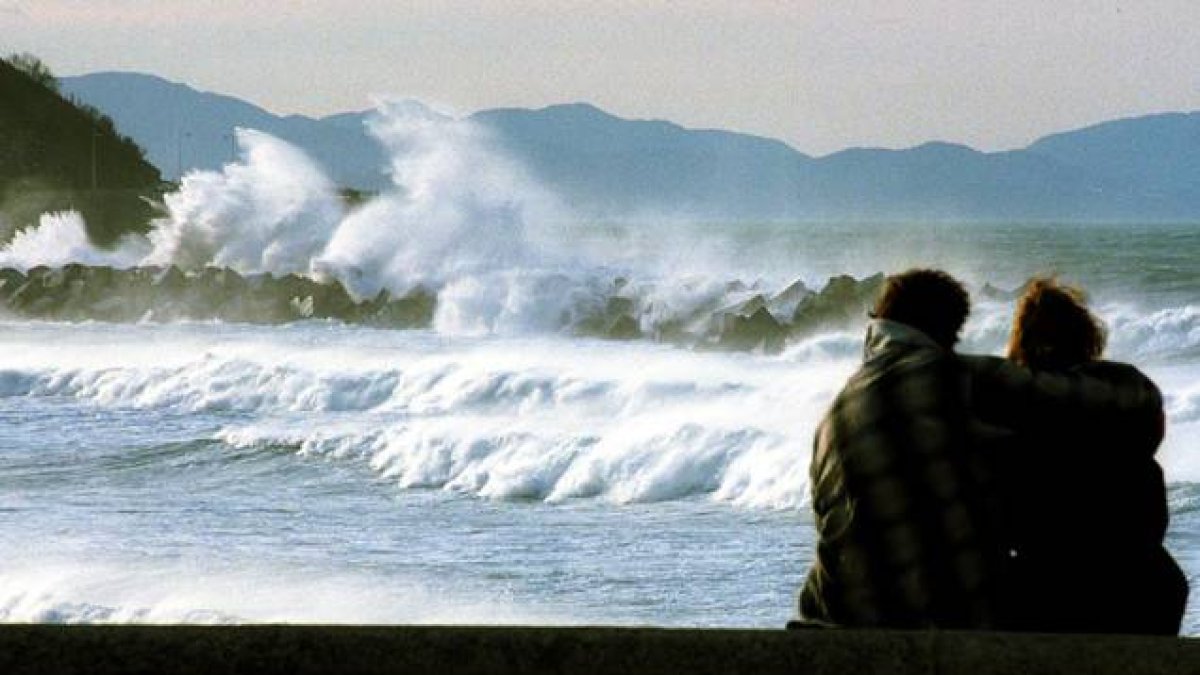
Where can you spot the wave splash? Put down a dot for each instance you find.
(458, 212)
(61, 239)
(271, 212)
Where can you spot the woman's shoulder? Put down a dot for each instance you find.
(1130, 383)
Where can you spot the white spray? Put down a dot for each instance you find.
(60, 239)
(272, 212)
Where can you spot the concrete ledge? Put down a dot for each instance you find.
(455, 650)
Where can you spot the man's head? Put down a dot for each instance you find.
(928, 300)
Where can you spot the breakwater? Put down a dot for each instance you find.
(734, 317)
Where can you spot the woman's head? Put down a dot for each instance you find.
(1053, 328)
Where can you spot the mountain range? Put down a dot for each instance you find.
(1138, 169)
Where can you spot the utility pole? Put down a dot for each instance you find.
(232, 138)
(179, 152)
(95, 134)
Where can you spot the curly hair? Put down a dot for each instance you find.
(929, 300)
(1053, 328)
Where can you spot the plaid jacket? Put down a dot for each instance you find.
(905, 531)
(909, 525)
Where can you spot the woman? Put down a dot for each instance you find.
(1085, 501)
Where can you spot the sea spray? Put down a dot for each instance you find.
(272, 211)
(60, 239)
(462, 220)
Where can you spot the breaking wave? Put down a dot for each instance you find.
(550, 420)
(1170, 333)
(560, 424)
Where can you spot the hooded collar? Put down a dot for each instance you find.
(884, 334)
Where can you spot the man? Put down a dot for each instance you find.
(899, 495)
(909, 525)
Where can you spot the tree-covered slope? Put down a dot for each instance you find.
(56, 154)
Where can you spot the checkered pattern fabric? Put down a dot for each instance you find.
(904, 528)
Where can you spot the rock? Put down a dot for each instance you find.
(784, 302)
(303, 307)
(170, 280)
(743, 308)
(10, 281)
(39, 296)
(114, 309)
(624, 327)
(331, 301)
(991, 292)
(842, 304)
(413, 310)
(221, 280)
(758, 331)
(619, 306)
(616, 321)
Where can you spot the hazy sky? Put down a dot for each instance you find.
(821, 75)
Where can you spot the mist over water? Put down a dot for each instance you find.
(493, 468)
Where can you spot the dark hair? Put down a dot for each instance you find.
(928, 300)
(1053, 328)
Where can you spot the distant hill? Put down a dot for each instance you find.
(56, 155)
(182, 128)
(1145, 169)
(1160, 152)
(611, 166)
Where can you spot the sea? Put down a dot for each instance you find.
(495, 467)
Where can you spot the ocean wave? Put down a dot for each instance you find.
(1183, 405)
(639, 460)
(433, 388)
(202, 592)
(1170, 333)
(528, 420)
(1184, 498)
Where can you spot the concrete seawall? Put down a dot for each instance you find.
(462, 650)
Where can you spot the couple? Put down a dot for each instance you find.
(975, 492)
